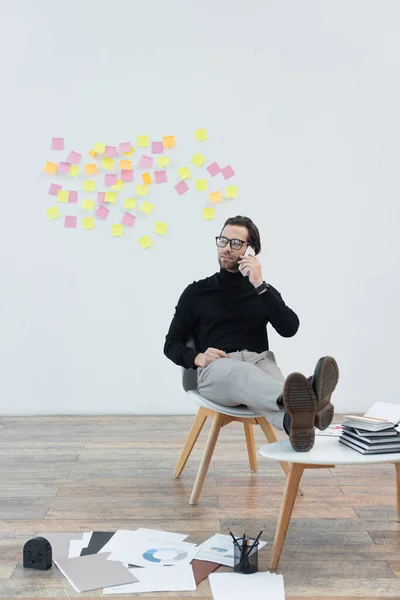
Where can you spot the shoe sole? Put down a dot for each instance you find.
(300, 402)
(324, 382)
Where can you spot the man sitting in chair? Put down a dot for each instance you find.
(227, 314)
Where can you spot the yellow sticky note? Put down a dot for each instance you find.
(62, 196)
(117, 230)
(145, 242)
(110, 197)
(107, 163)
(74, 171)
(169, 141)
(130, 203)
(91, 168)
(215, 196)
(53, 212)
(89, 186)
(161, 228)
(201, 135)
(201, 185)
(143, 141)
(51, 168)
(92, 153)
(147, 208)
(198, 160)
(88, 222)
(142, 190)
(119, 186)
(99, 148)
(208, 214)
(163, 161)
(231, 191)
(88, 204)
(125, 164)
(184, 173)
(147, 178)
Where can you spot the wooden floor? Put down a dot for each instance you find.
(108, 473)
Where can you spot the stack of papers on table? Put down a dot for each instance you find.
(375, 432)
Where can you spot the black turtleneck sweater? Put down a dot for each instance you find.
(224, 311)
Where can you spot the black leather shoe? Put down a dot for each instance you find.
(323, 382)
(300, 402)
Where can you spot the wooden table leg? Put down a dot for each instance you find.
(289, 497)
(397, 465)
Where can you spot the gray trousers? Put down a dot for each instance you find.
(248, 378)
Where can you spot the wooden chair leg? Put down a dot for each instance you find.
(251, 446)
(205, 461)
(191, 439)
(292, 485)
(397, 465)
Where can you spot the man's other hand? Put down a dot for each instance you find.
(203, 359)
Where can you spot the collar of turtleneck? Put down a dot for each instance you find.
(232, 279)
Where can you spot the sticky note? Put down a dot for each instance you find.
(91, 168)
(130, 203)
(160, 176)
(198, 160)
(215, 197)
(70, 222)
(57, 143)
(201, 135)
(119, 185)
(127, 175)
(110, 151)
(147, 208)
(142, 190)
(147, 178)
(89, 185)
(157, 147)
(110, 197)
(145, 242)
(99, 148)
(88, 222)
(213, 169)
(107, 163)
(74, 170)
(181, 187)
(64, 167)
(163, 161)
(208, 214)
(125, 147)
(125, 164)
(117, 230)
(143, 141)
(62, 196)
(231, 191)
(184, 173)
(110, 179)
(102, 212)
(201, 185)
(88, 204)
(92, 153)
(128, 219)
(161, 228)
(73, 197)
(53, 189)
(100, 197)
(74, 157)
(51, 168)
(146, 161)
(53, 212)
(130, 153)
(169, 141)
(227, 172)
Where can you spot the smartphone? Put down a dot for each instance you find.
(249, 252)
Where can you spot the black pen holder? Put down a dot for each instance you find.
(245, 559)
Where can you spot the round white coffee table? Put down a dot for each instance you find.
(326, 453)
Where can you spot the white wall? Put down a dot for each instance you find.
(301, 97)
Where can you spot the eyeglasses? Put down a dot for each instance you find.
(236, 244)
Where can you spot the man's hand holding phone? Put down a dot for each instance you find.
(203, 359)
(250, 266)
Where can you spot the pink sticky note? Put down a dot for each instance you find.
(100, 197)
(128, 219)
(73, 197)
(227, 172)
(125, 147)
(53, 189)
(127, 175)
(74, 157)
(182, 187)
(110, 151)
(157, 147)
(110, 179)
(160, 176)
(64, 167)
(70, 222)
(213, 169)
(146, 162)
(102, 212)
(57, 144)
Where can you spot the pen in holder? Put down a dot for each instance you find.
(245, 557)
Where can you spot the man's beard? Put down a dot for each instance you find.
(229, 264)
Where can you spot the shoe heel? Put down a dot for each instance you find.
(324, 417)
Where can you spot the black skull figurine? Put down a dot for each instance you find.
(38, 554)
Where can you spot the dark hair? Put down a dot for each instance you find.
(254, 234)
